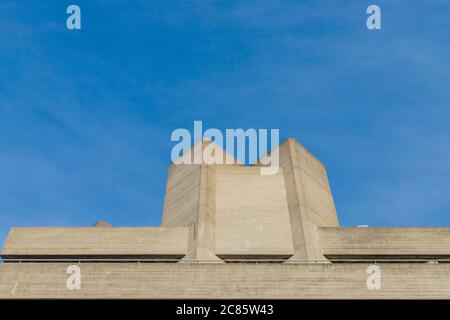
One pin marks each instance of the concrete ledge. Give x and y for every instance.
(337, 242)
(85, 242)
(237, 281)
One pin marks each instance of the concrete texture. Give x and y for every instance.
(235, 280)
(388, 242)
(95, 241)
(309, 198)
(252, 216)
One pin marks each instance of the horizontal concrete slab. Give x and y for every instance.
(234, 280)
(84, 242)
(361, 242)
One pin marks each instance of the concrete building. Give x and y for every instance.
(229, 232)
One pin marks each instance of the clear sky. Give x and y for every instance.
(86, 116)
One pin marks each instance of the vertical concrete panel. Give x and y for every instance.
(252, 214)
(309, 197)
(182, 195)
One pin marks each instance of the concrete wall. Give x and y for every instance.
(251, 213)
(190, 197)
(140, 241)
(363, 242)
(316, 188)
(309, 197)
(162, 280)
(182, 195)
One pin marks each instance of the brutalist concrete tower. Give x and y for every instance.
(229, 232)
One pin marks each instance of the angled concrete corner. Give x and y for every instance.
(309, 198)
(202, 230)
(189, 202)
(190, 198)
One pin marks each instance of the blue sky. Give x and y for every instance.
(86, 116)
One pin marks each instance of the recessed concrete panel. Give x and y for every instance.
(252, 216)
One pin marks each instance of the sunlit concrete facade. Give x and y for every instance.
(229, 232)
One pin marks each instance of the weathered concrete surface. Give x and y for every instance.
(363, 242)
(163, 280)
(190, 197)
(201, 241)
(139, 241)
(309, 197)
(252, 216)
(182, 196)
